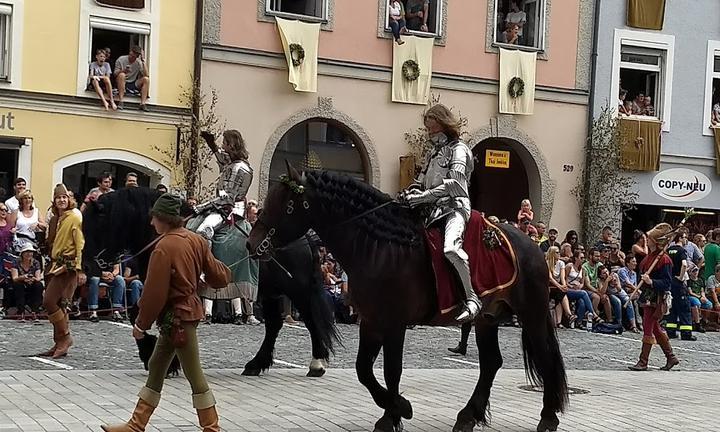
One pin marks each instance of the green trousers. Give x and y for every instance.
(189, 357)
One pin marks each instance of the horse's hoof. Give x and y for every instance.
(315, 373)
(251, 372)
(404, 408)
(548, 425)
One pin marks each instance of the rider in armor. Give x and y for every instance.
(443, 187)
(233, 184)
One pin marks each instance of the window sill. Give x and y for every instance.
(518, 47)
(641, 118)
(494, 47)
(386, 33)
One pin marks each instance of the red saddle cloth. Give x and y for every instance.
(491, 269)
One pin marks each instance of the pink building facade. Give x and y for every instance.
(351, 124)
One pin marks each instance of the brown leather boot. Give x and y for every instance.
(672, 361)
(208, 419)
(138, 421)
(55, 319)
(642, 364)
(64, 341)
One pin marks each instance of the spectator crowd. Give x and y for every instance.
(587, 285)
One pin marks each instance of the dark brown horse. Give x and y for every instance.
(382, 249)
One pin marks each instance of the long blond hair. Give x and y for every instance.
(446, 119)
(552, 258)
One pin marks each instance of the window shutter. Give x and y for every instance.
(128, 4)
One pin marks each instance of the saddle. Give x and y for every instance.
(493, 263)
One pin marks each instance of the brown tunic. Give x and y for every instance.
(176, 264)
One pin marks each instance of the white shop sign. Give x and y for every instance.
(682, 185)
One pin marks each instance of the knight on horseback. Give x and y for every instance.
(443, 187)
(236, 175)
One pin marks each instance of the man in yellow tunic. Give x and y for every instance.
(66, 243)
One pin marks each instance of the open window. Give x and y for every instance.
(711, 115)
(119, 36)
(312, 10)
(416, 21)
(641, 75)
(5, 42)
(520, 23)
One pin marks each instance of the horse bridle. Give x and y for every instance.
(266, 243)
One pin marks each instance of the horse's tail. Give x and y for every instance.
(544, 364)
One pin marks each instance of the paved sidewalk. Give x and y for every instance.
(285, 400)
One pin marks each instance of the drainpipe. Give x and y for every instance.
(591, 102)
(194, 168)
(197, 70)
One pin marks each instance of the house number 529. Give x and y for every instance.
(568, 168)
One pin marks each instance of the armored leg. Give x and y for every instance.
(208, 226)
(454, 230)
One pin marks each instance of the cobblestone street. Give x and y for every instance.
(98, 382)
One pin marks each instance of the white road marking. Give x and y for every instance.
(119, 324)
(675, 347)
(456, 360)
(631, 363)
(52, 363)
(296, 327)
(284, 363)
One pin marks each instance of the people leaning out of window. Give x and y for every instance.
(416, 14)
(131, 74)
(99, 79)
(640, 106)
(511, 35)
(396, 11)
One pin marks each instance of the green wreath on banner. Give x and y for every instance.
(410, 70)
(297, 54)
(516, 87)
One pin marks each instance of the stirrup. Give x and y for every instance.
(469, 312)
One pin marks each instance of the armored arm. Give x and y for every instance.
(455, 183)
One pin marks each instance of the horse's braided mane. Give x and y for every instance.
(342, 197)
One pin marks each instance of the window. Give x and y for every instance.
(126, 4)
(640, 77)
(5, 27)
(319, 144)
(315, 10)
(711, 115)
(520, 23)
(642, 67)
(119, 36)
(413, 22)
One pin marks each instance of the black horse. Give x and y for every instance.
(119, 223)
(381, 246)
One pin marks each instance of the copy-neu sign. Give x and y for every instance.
(497, 159)
(682, 185)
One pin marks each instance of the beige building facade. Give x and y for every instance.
(351, 124)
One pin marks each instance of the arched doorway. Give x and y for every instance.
(320, 143)
(504, 175)
(79, 171)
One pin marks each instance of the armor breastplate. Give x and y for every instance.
(451, 165)
(235, 179)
